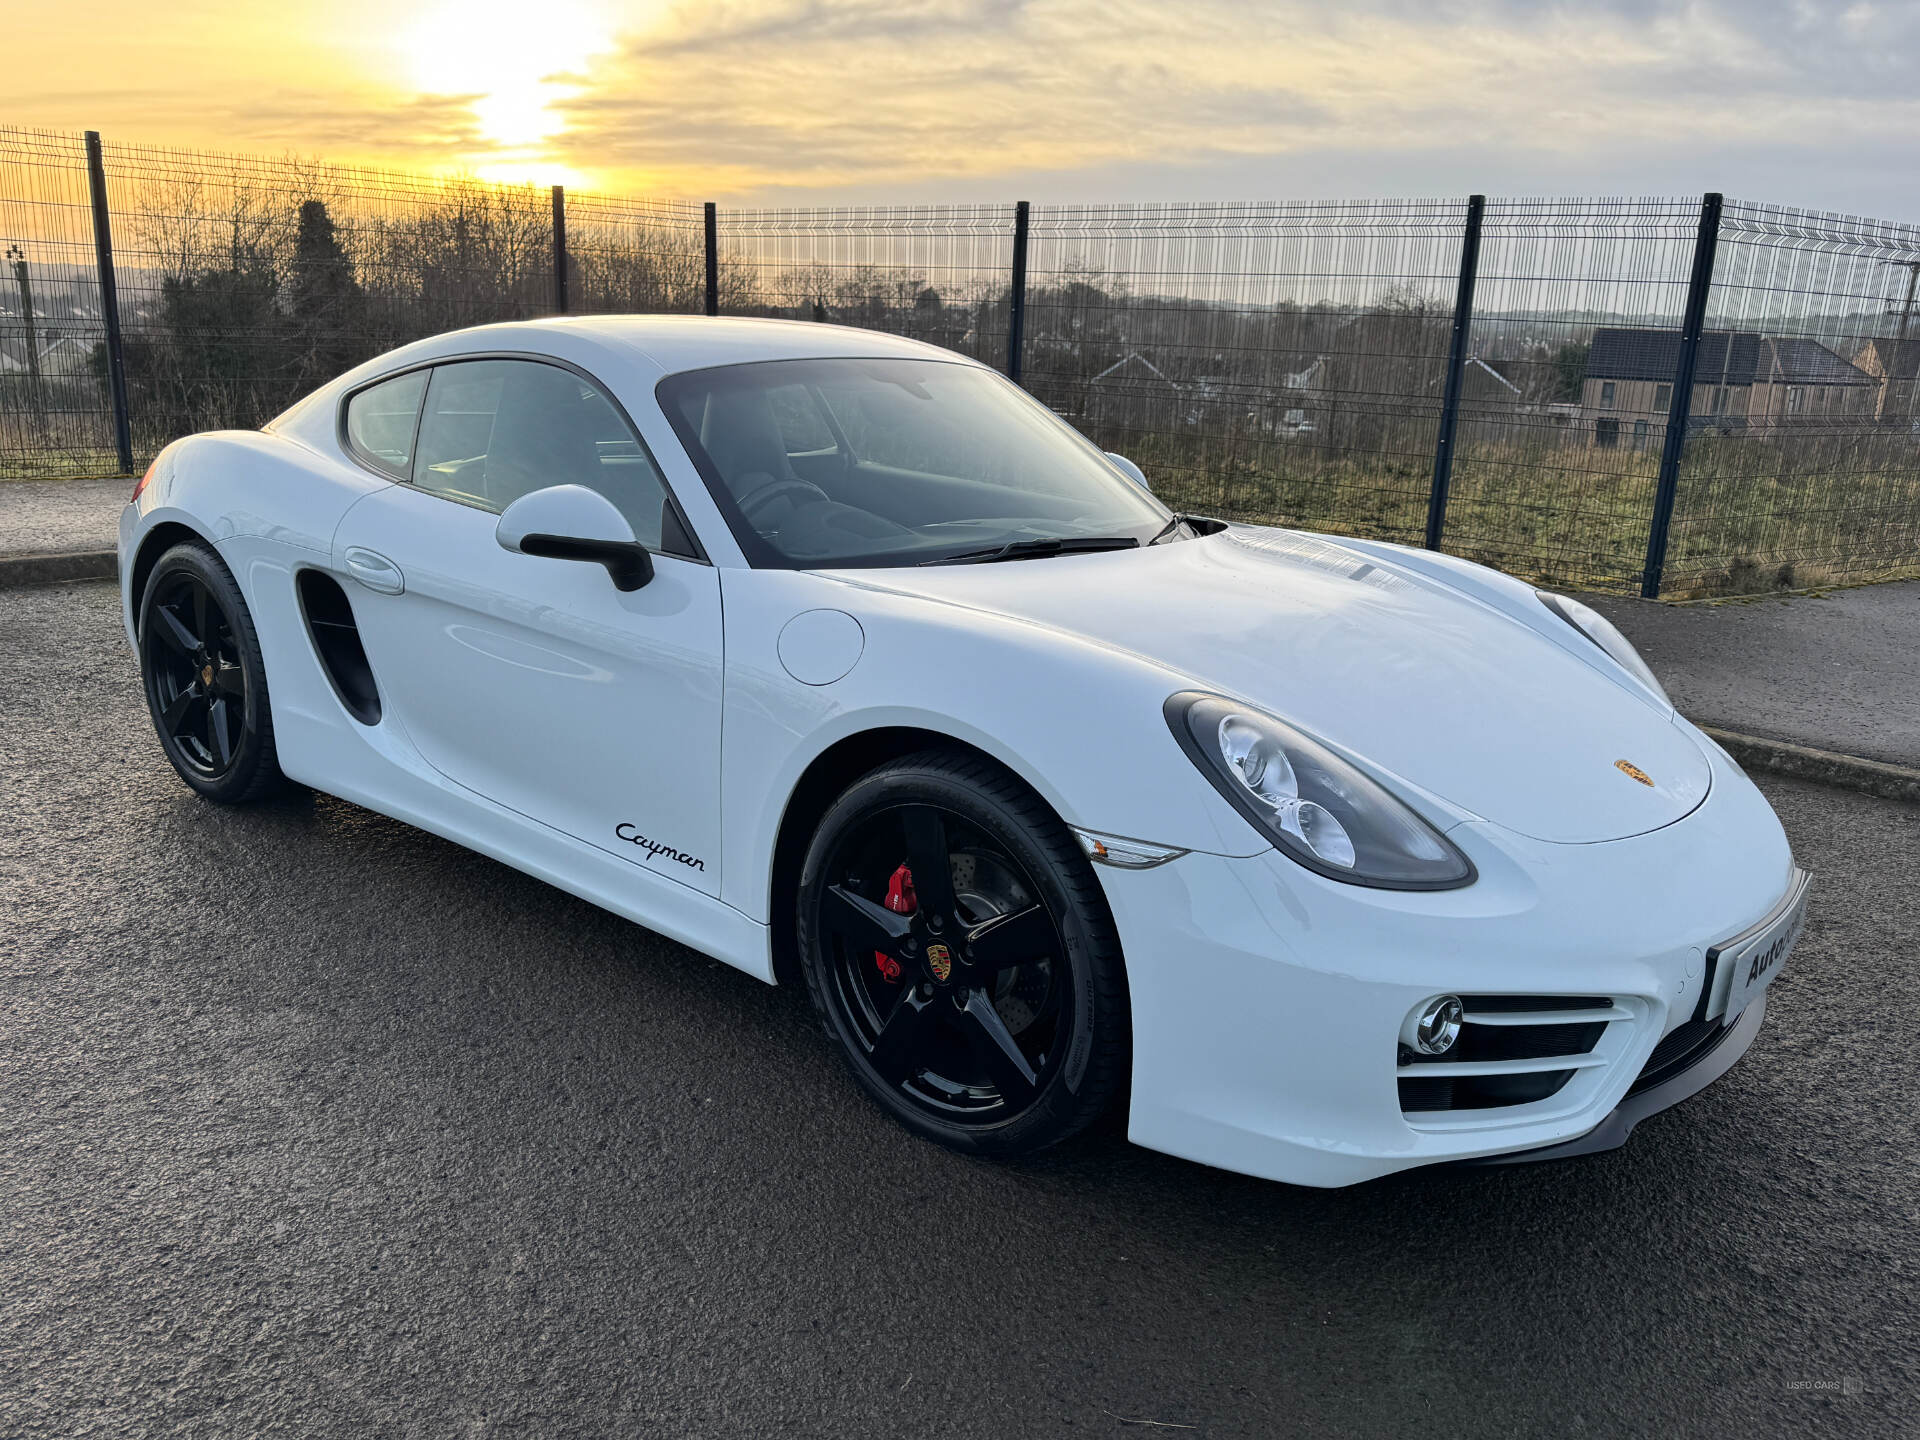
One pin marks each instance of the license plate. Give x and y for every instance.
(1751, 960)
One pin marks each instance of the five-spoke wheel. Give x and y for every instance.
(205, 680)
(961, 953)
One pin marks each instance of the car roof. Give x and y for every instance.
(695, 342)
(620, 349)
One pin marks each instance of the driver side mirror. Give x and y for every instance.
(1132, 471)
(571, 522)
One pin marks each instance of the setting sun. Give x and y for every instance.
(509, 72)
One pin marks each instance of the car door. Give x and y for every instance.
(533, 681)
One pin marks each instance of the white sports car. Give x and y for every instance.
(838, 657)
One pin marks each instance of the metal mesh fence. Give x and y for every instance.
(1285, 363)
(244, 283)
(635, 256)
(54, 414)
(1802, 467)
(1279, 362)
(938, 273)
(1555, 464)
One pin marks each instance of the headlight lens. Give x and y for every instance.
(1309, 802)
(1602, 632)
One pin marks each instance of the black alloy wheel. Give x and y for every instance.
(205, 679)
(961, 953)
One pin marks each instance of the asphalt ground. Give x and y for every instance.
(1837, 671)
(39, 517)
(312, 1124)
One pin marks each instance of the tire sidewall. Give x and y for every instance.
(1059, 1109)
(202, 563)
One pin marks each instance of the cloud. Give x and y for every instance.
(784, 96)
(427, 129)
(860, 101)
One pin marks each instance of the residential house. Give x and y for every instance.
(58, 356)
(1742, 382)
(1132, 393)
(1894, 366)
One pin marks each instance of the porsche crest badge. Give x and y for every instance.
(940, 961)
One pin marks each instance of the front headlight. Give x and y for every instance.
(1602, 632)
(1309, 802)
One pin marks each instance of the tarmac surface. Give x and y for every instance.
(1838, 671)
(314, 1124)
(49, 517)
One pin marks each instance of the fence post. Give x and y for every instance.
(1017, 294)
(1456, 370)
(109, 303)
(560, 249)
(1699, 284)
(713, 260)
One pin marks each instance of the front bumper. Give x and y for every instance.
(1268, 1001)
(1713, 1061)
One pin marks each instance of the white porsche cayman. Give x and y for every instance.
(836, 656)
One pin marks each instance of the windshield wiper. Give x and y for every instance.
(1038, 549)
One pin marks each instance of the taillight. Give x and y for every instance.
(140, 487)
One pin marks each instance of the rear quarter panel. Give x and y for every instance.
(268, 506)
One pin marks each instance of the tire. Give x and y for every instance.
(205, 680)
(1004, 1027)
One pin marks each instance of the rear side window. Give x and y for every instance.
(380, 422)
(496, 429)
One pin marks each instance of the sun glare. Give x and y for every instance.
(510, 59)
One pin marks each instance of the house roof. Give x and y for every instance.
(1895, 359)
(1480, 379)
(1726, 357)
(1621, 354)
(60, 354)
(1502, 379)
(1808, 362)
(1134, 359)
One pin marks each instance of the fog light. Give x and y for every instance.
(1439, 1025)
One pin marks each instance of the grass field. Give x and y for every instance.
(1751, 515)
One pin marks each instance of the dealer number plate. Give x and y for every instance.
(1751, 961)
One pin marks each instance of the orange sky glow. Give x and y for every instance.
(813, 101)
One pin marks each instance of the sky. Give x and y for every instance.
(916, 101)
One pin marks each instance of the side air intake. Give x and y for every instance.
(336, 640)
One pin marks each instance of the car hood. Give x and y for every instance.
(1403, 672)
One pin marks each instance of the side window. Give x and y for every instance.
(380, 422)
(495, 430)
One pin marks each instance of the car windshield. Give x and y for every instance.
(844, 462)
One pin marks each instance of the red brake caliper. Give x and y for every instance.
(902, 901)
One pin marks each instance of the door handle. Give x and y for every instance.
(375, 571)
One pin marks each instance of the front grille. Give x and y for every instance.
(1506, 1052)
(1479, 1092)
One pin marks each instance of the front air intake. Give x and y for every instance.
(1512, 1050)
